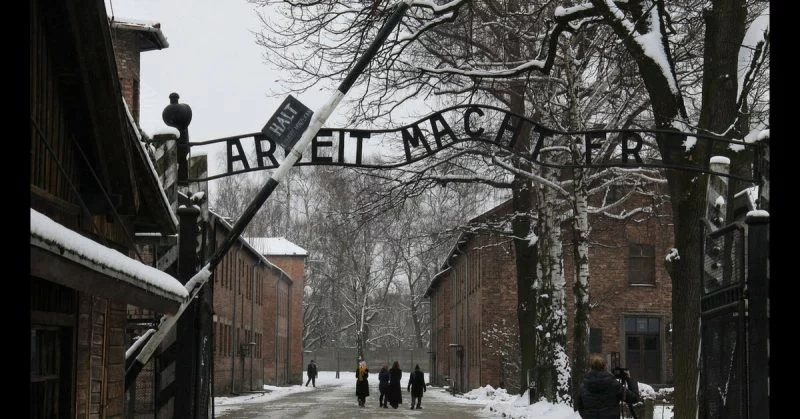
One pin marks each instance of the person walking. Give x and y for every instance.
(416, 385)
(601, 392)
(383, 386)
(395, 392)
(311, 371)
(362, 384)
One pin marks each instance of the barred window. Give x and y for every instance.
(641, 264)
(595, 340)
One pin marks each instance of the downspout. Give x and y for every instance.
(277, 323)
(212, 233)
(253, 319)
(235, 334)
(289, 332)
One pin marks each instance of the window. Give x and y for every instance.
(615, 193)
(595, 340)
(641, 264)
(643, 348)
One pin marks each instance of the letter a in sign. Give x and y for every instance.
(288, 123)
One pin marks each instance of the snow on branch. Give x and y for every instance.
(532, 176)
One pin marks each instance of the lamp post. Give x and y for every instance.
(187, 365)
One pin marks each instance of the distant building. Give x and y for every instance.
(258, 303)
(473, 302)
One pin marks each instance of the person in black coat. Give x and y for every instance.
(601, 392)
(311, 371)
(383, 386)
(395, 392)
(362, 384)
(416, 385)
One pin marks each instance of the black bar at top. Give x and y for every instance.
(364, 60)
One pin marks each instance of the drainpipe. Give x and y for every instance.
(253, 319)
(289, 334)
(277, 324)
(235, 339)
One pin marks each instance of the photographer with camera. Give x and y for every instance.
(601, 392)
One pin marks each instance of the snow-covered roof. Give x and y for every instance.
(156, 38)
(153, 172)
(224, 221)
(275, 246)
(50, 236)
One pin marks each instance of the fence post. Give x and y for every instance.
(758, 316)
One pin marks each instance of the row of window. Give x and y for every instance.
(227, 273)
(224, 341)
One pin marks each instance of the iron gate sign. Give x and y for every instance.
(286, 126)
(462, 124)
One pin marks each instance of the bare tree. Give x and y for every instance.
(452, 49)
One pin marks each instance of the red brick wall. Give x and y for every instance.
(500, 328)
(440, 326)
(100, 367)
(294, 266)
(239, 320)
(274, 313)
(276, 317)
(126, 50)
(610, 294)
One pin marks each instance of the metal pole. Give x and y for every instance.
(317, 120)
(758, 362)
(186, 361)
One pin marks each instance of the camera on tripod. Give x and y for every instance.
(620, 373)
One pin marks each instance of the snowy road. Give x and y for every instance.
(333, 399)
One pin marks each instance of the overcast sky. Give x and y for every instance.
(212, 62)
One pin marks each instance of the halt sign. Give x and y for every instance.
(288, 123)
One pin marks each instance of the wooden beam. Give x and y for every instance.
(58, 269)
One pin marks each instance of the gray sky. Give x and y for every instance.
(212, 62)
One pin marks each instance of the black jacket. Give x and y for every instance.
(312, 370)
(362, 385)
(395, 392)
(416, 383)
(601, 393)
(383, 380)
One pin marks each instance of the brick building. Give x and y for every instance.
(258, 303)
(291, 260)
(474, 298)
(92, 189)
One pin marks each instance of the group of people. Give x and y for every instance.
(389, 386)
(598, 397)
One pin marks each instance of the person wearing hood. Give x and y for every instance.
(601, 393)
(416, 385)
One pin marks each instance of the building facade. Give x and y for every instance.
(257, 328)
(92, 189)
(473, 302)
(257, 295)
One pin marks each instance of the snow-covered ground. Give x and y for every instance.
(497, 402)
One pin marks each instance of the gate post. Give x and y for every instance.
(758, 313)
